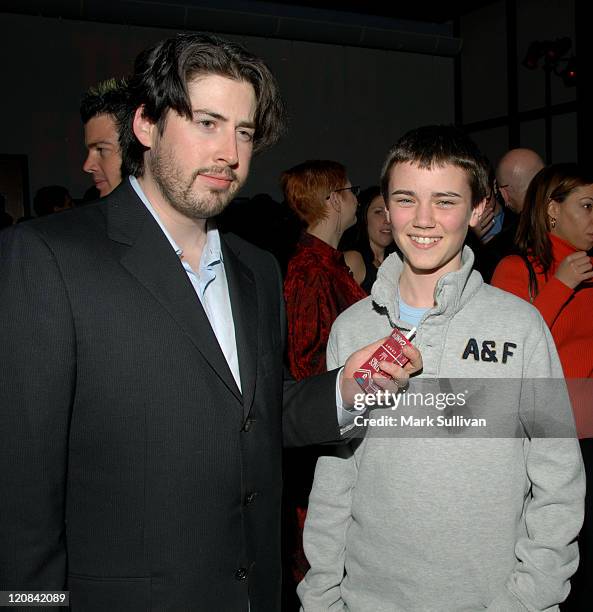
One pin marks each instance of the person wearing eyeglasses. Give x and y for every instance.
(317, 288)
(318, 284)
(493, 238)
(514, 172)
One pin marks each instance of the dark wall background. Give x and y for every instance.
(347, 101)
(488, 80)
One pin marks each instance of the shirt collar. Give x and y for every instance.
(212, 253)
(452, 291)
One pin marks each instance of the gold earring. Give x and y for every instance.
(552, 222)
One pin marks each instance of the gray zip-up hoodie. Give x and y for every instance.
(404, 524)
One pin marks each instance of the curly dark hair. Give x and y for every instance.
(161, 76)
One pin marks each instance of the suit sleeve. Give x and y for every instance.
(511, 275)
(37, 378)
(547, 553)
(310, 413)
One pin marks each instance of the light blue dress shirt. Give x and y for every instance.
(209, 283)
(211, 287)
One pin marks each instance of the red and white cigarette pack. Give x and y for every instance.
(390, 350)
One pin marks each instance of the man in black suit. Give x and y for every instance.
(143, 406)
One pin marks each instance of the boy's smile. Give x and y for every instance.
(430, 210)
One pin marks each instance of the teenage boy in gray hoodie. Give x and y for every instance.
(441, 520)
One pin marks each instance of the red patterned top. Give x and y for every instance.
(317, 288)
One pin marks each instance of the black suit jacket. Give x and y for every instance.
(133, 471)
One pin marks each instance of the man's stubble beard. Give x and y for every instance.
(177, 189)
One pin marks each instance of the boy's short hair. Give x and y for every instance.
(163, 73)
(439, 145)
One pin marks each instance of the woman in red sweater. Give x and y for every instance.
(554, 272)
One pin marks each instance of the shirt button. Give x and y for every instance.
(241, 574)
(250, 498)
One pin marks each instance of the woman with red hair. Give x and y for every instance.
(317, 288)
(318, 284)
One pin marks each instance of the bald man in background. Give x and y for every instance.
(514, 172)
(494, 236)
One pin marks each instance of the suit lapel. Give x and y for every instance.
(243, 296)
(152, 261)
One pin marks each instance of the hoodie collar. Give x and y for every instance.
(452, 291)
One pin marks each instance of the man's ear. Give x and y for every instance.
(143, 127)
(477, 212)
(387, 215)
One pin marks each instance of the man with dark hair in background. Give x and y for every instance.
(144, 473)
(103, 111)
